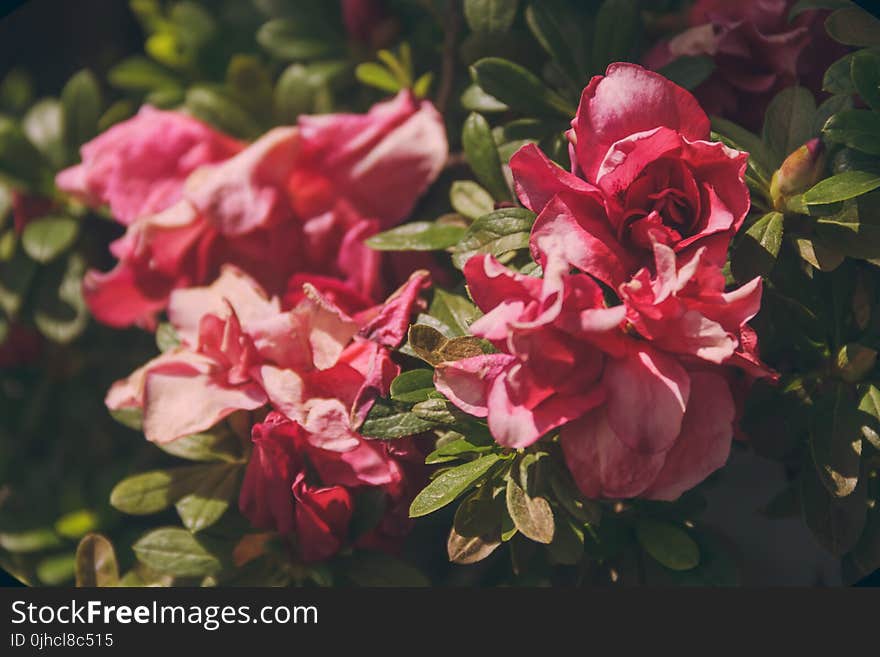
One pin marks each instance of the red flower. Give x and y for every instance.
(643, 173)
(757, 51)
(300, 200)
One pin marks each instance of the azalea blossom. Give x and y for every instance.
(643, 172)
(300, 200)
(757, 52)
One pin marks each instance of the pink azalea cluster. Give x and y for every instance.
(298, 202)
(757, 52)
(319, 369)
(630, 343)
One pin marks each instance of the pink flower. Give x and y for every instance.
(684, 309)
(299, 201)
(238, 350)
(643, 407)
(642, 173)
(293, 486)
(138, 167)
(757, 52)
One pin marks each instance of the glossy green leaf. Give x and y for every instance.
(44, 126)
(841, 187)
(60, 311)
(290, 39)
(482, 155)
(33, 540)
(376, 75)
(388, 420)
(858, 129)
(175, 551)
(866, 77)
(475, 99)
(141, 74)
(450, 484)
(519, 89)
(412, 386)
(498, 232)
(788, 123)
(836, 522)
(221, 112)
(209, 500)
(217, 445)
(77, 524)
(418, 236)
(469, 199)
(454, 310)
(544, 24)
(758, 248)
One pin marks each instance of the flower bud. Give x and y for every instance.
(855, 361)
(799, 172)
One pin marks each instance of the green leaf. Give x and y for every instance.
(455, 449)
(615, 35)
(490, 16)
(96, 564)
(788, 122)
(388, 419)
(866, 77)
(21, 164)
(418, 236)
(566, 493)
(761, 160)
(450, 484)
(44, 126)
(567, 547)
(116, 113)
(543, 23)
(56, 570)
(836, 522)
(76, 523)
(532, 516)
(854, 26)
(81, 99)
(413, 386)
(175, 551)
(498, 232)
(841, 187)
(154, 491)
(48, 237)
(139, 73)
(835, 440)
(858, 129)
(219, 445)
(133, 418)
(60, 311)
(849, 234)
(519, 89)
(221, 112)
(33, 540)
(166, 337)
(757, 250)
(210, 498)
(689, 71)
(376, 569)
(475, 99)
(482, 155)
(469, 199)
(289, 39)
(376, 75)
(667, 544)
(820, 255)
(838, 76)
(454, 310)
